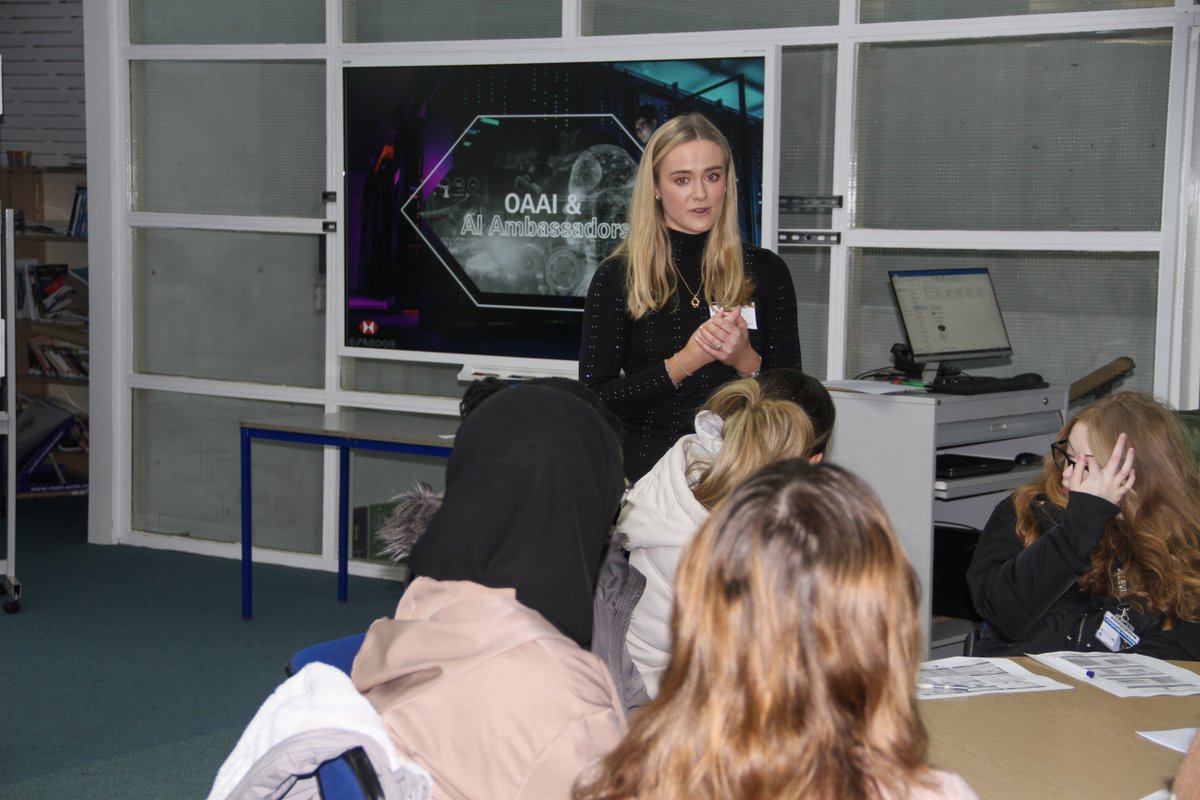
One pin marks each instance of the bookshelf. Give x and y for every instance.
(51, 332)
(45, 198)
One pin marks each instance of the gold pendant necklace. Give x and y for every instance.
(696, 294)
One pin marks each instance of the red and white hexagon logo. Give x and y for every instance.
(368, 327)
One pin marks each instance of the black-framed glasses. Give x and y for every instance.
(1062, 459)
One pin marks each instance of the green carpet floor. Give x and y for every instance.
(129, 672)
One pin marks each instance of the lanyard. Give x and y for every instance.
(1122, 589)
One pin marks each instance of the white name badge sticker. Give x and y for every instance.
(747, 314)
(1116, 633)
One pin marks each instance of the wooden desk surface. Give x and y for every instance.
(381, 426)
(1077, 743)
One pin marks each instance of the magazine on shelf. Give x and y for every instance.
(50, 293)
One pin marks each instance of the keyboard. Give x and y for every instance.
(962, 384)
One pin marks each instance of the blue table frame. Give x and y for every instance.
(346, 430)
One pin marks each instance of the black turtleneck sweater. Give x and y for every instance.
(622, 358)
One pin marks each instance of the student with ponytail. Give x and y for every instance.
(746, 424)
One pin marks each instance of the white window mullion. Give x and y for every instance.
(842, 218)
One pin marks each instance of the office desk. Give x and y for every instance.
(353, 429)
(1077, 743)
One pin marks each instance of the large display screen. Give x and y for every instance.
(481, 198)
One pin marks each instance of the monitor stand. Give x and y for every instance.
(928, 372)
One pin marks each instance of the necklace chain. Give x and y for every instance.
(696, 294)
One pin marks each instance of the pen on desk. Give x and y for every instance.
(943, 687)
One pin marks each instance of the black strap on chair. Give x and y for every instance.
(969, 642)
(334, 782)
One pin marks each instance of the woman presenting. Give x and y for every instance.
(683, 305)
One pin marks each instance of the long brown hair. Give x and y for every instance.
(1157, 534)
(650, 280)
(796, 643)
(758, 429)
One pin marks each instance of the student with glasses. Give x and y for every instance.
(1102, 551)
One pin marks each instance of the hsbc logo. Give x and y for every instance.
(368, 327)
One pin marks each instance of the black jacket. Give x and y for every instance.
(621, 359)
(1030, 598)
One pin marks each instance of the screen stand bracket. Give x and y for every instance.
(902, 360)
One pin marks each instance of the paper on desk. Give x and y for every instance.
(867, 387)
(964, 676)
(1161, 794)
(1124, 674)
(1178, 739)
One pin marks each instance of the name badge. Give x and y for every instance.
(747, 314)
(1116, 633)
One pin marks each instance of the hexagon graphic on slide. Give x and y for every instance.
(522, 208)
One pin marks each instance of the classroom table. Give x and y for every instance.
(353, 429)
(1075, 743)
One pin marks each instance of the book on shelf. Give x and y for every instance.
(79, 226)
(57, 358)
(76, 206)
(44, 292)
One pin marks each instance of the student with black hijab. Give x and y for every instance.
(482, 676)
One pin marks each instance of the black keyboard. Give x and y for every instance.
(962, 384)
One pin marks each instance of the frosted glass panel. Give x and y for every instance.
(442, 20)
(229, 306)
(226, 21)
(898, 10)
(806, 133)
(1066, 313)
(187, 478)
(809, 268)
(1045, 133)
(610, 17)
(399, 377)
(228, 137)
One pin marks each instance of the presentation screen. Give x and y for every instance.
(481, 198)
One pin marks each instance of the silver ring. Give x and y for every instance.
(717, 345)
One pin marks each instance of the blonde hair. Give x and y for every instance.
(795, 647)
(757, 430)
(650, 281)
(1157, 535)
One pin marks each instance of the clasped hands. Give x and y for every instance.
(1111, 482)
(722, 337)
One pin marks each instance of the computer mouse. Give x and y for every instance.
(1027, 459)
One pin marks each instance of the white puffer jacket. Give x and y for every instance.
(659, 518)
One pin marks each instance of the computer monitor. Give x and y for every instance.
(950, 314)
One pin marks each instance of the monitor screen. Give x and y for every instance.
(950, 314)
(482, 197)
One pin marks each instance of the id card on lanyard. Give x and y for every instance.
(1116, 632)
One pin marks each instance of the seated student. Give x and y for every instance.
(1102, 551)
(415, 507)
(797, 642)
(744, 425)
(483, 677)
